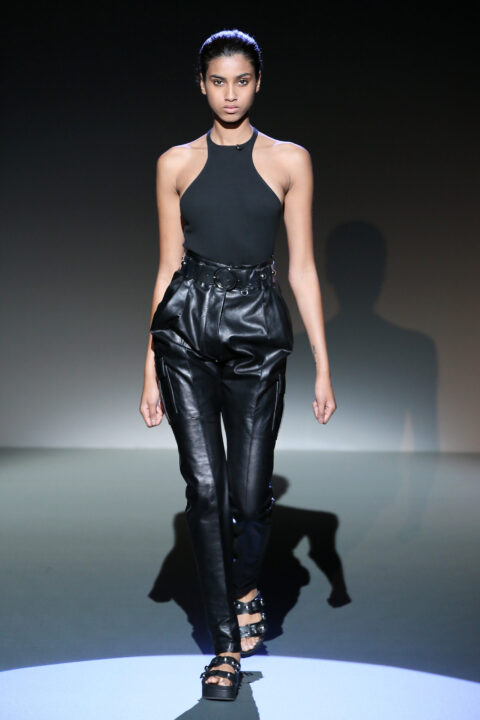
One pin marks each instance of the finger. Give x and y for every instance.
(319, 411)
(144, 412)
(329, 412)
(325, 412)
(153, 415)
(148, 416)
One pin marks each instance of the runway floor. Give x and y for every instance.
(371, 586)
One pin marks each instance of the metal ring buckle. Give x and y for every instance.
(224, 278)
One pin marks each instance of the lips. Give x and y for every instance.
(230, 107)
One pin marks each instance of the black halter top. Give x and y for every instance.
(231, 214)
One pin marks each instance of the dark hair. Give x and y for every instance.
(228, 42)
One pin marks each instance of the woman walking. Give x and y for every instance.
(221, 333)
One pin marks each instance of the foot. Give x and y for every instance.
(224, 666)
(245, 618)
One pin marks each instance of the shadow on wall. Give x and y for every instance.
(384, 376)
(282, 575)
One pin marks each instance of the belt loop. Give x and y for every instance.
(273, 266)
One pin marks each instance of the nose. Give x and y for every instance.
(230, 94)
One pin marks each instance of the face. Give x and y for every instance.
(230, 86)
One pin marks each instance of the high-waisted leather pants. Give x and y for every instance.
(221, 337)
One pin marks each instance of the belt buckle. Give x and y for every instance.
(224, 278)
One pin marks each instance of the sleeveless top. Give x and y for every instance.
(231, 214)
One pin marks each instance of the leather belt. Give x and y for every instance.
(226, 277)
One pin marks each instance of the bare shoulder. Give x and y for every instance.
(179, 154)
(290, 153)
(173, 162)
(285, 147)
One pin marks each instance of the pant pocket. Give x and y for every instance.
(279, 321)
(278, 404)
(172, 304)
(166, 389)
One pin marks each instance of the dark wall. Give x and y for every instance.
(385, 99)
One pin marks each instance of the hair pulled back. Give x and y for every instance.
(226, 43)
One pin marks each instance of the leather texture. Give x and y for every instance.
(222, 353)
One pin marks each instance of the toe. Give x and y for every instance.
(218, 679)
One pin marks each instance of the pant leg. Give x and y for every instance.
(252, 408)
(190, 388)
(257, 338)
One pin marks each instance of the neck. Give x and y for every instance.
(231, 133)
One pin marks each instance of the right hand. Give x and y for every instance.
(151, 407)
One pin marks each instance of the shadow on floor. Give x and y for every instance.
(282, 575)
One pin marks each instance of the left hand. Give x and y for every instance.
(324, 404)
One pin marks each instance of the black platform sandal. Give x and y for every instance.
(214, 691)
(252, 629)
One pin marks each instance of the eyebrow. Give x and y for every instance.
(222, 78)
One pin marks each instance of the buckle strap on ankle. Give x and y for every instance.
(253, 629)
(250, 607)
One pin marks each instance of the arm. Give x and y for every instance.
(302, 273)
(171, 252)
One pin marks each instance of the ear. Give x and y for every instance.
(257, 87)
(202, 85)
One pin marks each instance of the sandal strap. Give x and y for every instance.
(253, 629)
(223, 673)
(250, 607)
(221, 659)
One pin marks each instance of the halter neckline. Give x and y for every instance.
(237, 145)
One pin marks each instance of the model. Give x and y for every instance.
(221, 333)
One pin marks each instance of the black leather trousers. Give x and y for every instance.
(221, 337)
